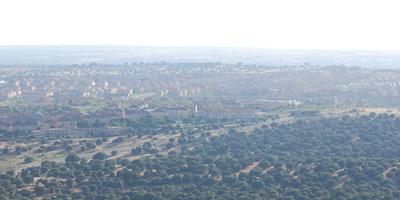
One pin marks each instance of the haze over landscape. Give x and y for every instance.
(199, 100)
(68, 55)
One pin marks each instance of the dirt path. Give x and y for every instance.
(268, 169)
(248, 169)
(343, 180)
(336, 173)
(388, 170)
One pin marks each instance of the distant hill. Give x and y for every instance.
(65, 55)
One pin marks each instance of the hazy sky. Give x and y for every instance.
(311, 24)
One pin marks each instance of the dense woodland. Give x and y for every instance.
(332, 158)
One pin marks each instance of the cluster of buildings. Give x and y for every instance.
(76, 86)
(66, 119)
(51, 117)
